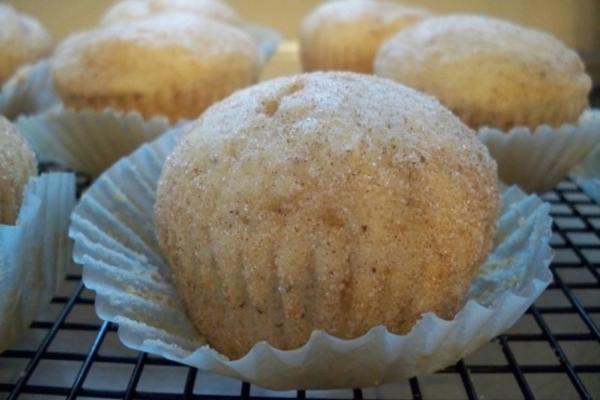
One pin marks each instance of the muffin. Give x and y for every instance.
(174, 65)
(489, 72)
(346, 34)
(17, 165)
(331, 201)
(133, 10)
(22, 40)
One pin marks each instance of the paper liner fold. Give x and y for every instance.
(115, 243)
(30, 91)
(267, 39)
(538, 160)
(88, 141)
(34, 253)
(587, 175)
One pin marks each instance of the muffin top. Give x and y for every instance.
(17, 164)
(163, 55)
(329, 201)
(22, 40)
(132, 10)
(489, 71)
(355, 26)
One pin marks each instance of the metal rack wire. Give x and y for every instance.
(71, 354)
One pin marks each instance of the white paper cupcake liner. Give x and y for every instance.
(34, 253)
(115, 243)
(88, 141)
(30, 91)
(538, 160)
(267, 39)
(587, 175)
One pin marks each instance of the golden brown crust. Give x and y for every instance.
(488, 71)
(346, 34)
(174, 65)
(22, 40)
(331, 201)
(17, 165)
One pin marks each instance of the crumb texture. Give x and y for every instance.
(488, 71)
(332, 201)
(346, 34)
(22, 40)
(132, 10)
(173, 64)
(17, 165)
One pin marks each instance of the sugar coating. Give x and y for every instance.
(346, 34)
(488, 71)
(17, 164)
(332, 201)
(172, 64)
(133, 10)
(22, 40)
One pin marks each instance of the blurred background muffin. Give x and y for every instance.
(575, 22)
(23, 40)
(17, 165)
(346, 34)
(132, 10)
(488, 71)
(171, 64)
(346, 195)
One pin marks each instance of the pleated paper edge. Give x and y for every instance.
(88, 141)
(29, 91)
(43, 219)
(267, 39)
(544, 156)
(247, 367)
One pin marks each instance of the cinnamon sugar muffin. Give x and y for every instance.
(17, 165)
(172, 64)
(488, 71)
(133, 10)
(22, 40)
(332, 201)
(346, 34)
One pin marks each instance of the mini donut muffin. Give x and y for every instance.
(133, 10)
(332, 201)
(17, 165)
(22, 40)
(488, 71)
(172, 64)
(346, 34)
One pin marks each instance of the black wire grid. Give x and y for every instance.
(61, 356)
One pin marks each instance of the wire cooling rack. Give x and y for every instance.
(553, 352)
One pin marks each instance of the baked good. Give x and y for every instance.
(172, 64)
(17, 165)
(488, 71)
(126, 11)
(346, 34)
(22, 40)
(333, 201)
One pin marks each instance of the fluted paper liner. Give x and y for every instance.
(34, 253)
(30, 91)
(538, 160)
(267, 39)
(115, 243)
(587, 175)
(88, 141)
